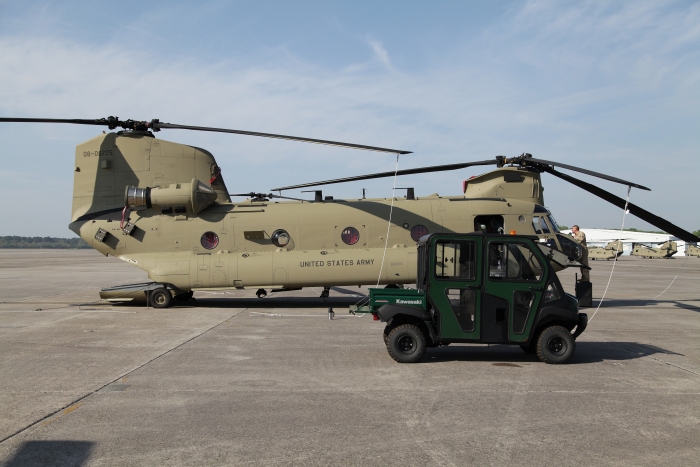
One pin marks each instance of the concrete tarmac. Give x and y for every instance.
(230, 379)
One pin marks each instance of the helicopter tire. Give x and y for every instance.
(161, 298)
(406, 343)
(555, 345)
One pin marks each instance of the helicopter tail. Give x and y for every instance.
(108, 164)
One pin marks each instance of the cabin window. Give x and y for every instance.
(418, 231)
(463, 303)
(210, 240)
(280, 238)
(455, 260)
(552, 293)
(522, 304)
(350, 235)
(513, 262)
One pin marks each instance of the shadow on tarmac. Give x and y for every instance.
(610, 303)
(341, 303)
(586, 352)
(43, 453)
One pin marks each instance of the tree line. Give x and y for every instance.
(15, 241)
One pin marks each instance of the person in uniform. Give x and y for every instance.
(581, 238)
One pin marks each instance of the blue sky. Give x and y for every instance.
(609, 86)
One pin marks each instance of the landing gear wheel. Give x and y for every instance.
(161, 298)
(325, 293)
(556, 345)
(406, 343)
(261, 293)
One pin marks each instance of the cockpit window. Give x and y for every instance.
(543, 226)
(536, 224)
(553, 223)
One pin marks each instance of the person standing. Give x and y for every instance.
(581, 238)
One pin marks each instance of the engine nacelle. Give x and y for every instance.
(195, 195)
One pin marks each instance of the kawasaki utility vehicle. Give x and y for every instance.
(481, 288)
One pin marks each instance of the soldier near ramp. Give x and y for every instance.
(581, 238)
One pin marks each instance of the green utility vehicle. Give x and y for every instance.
(481, 288)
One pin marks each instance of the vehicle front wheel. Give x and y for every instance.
(406, 343)
(556, 345)
(161, 298)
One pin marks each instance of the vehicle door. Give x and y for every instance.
(513, 286)
(454, 286)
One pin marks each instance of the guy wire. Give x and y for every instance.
(619, 241)
(388, 228)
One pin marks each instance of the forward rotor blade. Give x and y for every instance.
(158, 126)
(434, 168)
(587, 172)
(643, 214)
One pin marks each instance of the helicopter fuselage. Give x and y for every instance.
(263, 243)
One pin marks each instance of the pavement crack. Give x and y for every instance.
(85, 396)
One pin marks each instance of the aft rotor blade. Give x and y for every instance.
(586, 171)
(158, 126)
(643, 214)
(434, 168)
(76, 121)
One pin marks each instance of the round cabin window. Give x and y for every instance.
(418, 231)
(280, 238)
(350, 235)
(210, 240)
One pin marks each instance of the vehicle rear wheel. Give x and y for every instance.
(406, 343)
(556, 345)
(161, 298)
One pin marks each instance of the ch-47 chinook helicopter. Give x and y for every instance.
(664, 250)
(692, 250)
(164, 207)
(611, 251)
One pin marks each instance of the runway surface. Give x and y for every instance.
(230, 379)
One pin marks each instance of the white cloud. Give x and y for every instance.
(380, 53)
